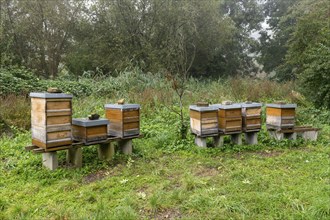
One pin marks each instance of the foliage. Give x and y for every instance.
(112, 35)
(18, 81)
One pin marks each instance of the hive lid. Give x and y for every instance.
(50, 95)
(202, 108)
(85, 122)
(251, 104)
(282, 105)
(124, 106)
(232, 106)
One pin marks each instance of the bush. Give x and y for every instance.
(18, 81)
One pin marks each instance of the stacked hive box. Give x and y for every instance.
(51, 119)
(89, 130)
(124, 119)
(203, 120)
(230, 118)
(251, 116)
(280, 115)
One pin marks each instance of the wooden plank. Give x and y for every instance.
(61, 112)
(114, 114)
(60, 127)
(96, 130)
(195, 114)
(287, 112)
(58, 135)
(273, 111)
(253, 111)
(55, 120)
(38, 105)
(195, 125)
(58, 105)
(233, 113)
(131, 119)
(39, 133)
(207, 126)
(131, 125)
(131, 113)
(212, 114)
(228, 113)
(78, 132)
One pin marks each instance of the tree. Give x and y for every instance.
(41, 32)
(308, 54)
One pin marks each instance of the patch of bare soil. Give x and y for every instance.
(101, 174)
(203, 171)
(159, 214)
(269, 153)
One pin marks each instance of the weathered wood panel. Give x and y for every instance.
(58, 120)
(58, 135)
(280, 117)
(195, 114)
(51, 122)
(56, 105)
(123, 122)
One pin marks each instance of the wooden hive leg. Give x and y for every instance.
(125, 146)
(310, 135)
(74, 157)
(290, 136)
(218, 141)
(276, 135)
(106, 151)
(251, 138)
(200, 141)
(236, 138)
(49, 160)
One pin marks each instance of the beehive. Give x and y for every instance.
(203, 120)
(124, 119)
(89, 130)
(251, 116)
(229, 117)
(280, 115)
(51, 119)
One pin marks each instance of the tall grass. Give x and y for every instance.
(152, 91)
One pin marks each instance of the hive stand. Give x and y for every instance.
(307, 132)
(106, 151)
(50, 160)
(218, 139)
(251, 137)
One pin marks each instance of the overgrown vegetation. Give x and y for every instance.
(166, 55)
(167, 177)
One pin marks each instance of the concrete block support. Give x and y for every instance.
(200, 141)
(74, 157)
(251, 138)
(276, 135)
(310, 135)
(236, 138)
(125, 146)
(106, 151)
(50, 160)
(218, 141)
(290, 136)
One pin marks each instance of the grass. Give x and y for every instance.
(269, 183)
(169, 178)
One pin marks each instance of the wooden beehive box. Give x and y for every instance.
(251, 116)
(51, 119)
(280, 115)
(89, 130)
(230, 118)
(203, 120)
(124, 119)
